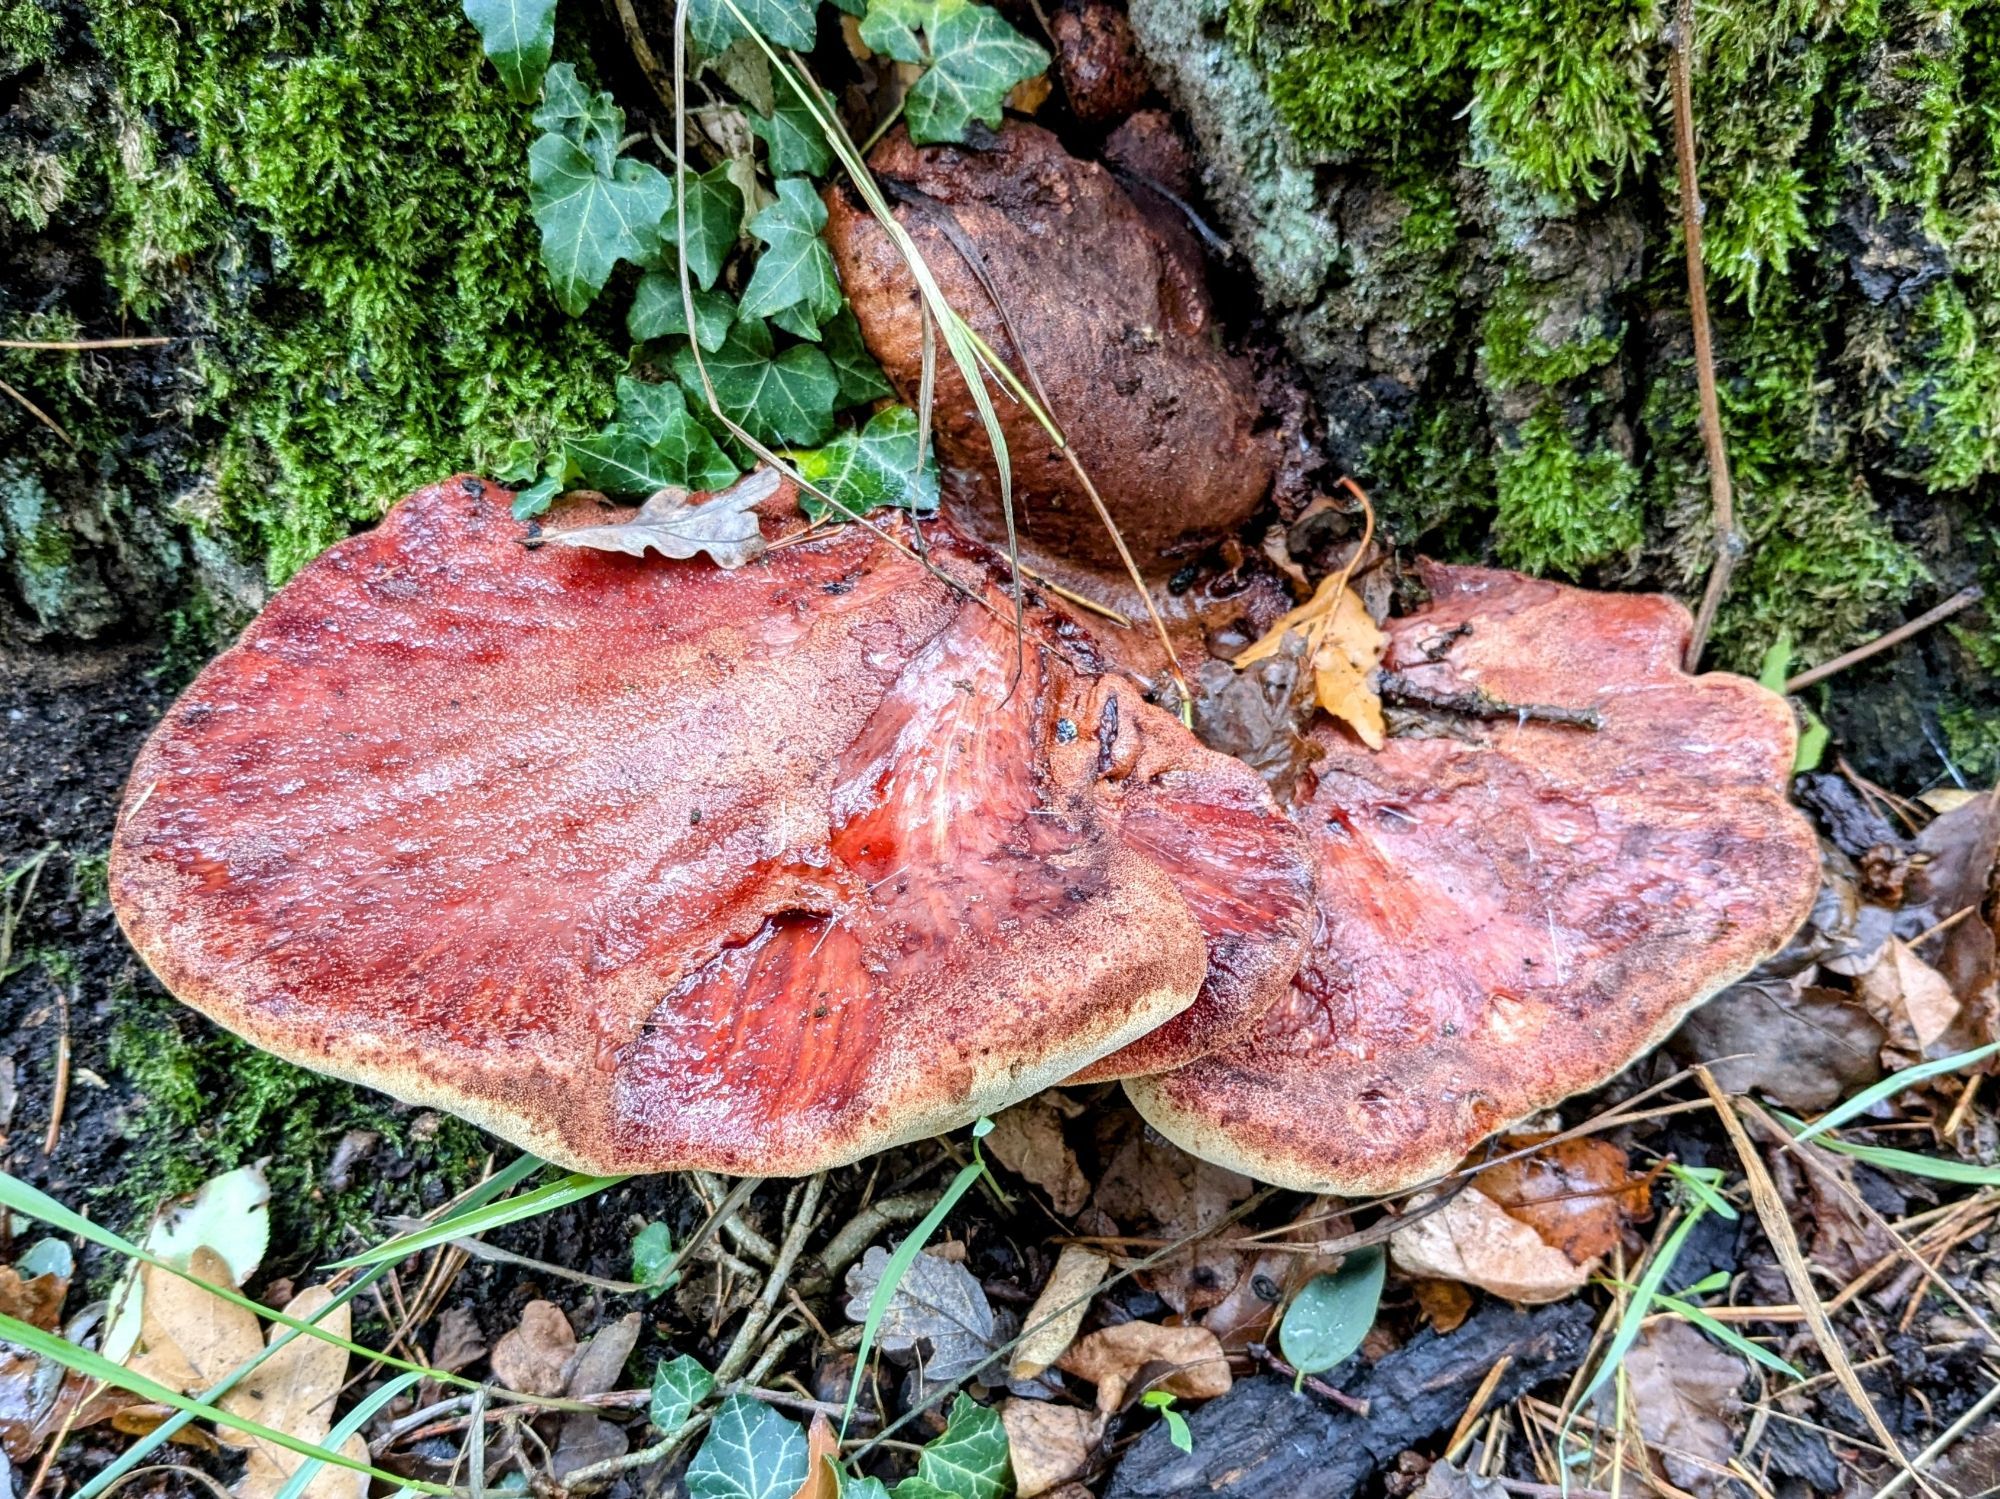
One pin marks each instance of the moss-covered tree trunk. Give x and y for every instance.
(1464, 215)
(1460, 213)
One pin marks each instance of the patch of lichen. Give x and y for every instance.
(335, 193)
(206, 1103)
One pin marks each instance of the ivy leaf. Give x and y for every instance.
(861, 378)
(655, 444)
(679, 1385)
(798, 321)
(969, 1461)
(724, 525)
(537, 497)
(517, 36)
(657, 311)
(652, 1252)
(787, 398)
(868, 469)
(590, 218)
(795, 140)
(783, 23)
(1332, 1314)
(751, 1452)
(592, 120)
(796, 268)
(714, 220)
(974, 58)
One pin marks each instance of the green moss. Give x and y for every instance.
(1561, 509)
(208, 1103)
(1972, 735)
(90, 877)
(344, 208)
(27, 34)
(1351, 76)
(1942, 409)
(1531, 341)
(1433, 471)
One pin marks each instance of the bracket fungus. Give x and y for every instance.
(1512, 912)
(649, 866)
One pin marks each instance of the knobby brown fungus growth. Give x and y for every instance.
(1509, 911)
(651, 865)
(1112, 313)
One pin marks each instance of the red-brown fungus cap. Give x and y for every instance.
(647, 865)
(1512, 916)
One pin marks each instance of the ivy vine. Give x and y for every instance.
(777, 340)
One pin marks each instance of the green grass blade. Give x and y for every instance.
(544, 1199)
(893, 1273)
(1936, 1168)
(1722, 1332)
(504, 1180)
(93, 1365)
(1642, 1298)
(29, 1201)
(349, 1424)
(1893, 1084)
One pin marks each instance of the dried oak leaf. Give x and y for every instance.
(1475, 1240)
(1064, 1299)
(724, 526)
(1344, 647)
(1684, 1389)
(294, 1392)
(190, 1337)
(1152, 1182)
(1577, 1194)
(1048, 1444)
(1028, 1141)
(533, 1358)
(937, 1304)
(1910, 1000)
(1184, 1361)
(1803, 1047)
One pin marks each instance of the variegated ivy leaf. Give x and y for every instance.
(659, 311)
(972, 57)
(517, 36)
(751, 1452)
(878, 465)
(783, 23)
(796, 268)
(970, 1459)
(594, 207)
(777, 398)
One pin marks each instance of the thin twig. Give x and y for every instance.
(37, 413)
(79, 345)
(1728, 544)
(1963, 599)
(61, 1099)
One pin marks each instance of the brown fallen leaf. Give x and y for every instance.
(1444, 1303)
(190, 1337)
(1151, 1183)
(1804, 1046)
(822, 1480)
(1577, 1194)
(1078, 1272)
(1909, 999)
(1684, 1389)
(1475, 1240)
(533, 1358)
(1028, 1140)
(599, 1364)
(294, 1392)
(459, 1342)
(1343, 647)
(1190, 1361)
(1047, 1444)
(724, 525)
(36, 1300)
